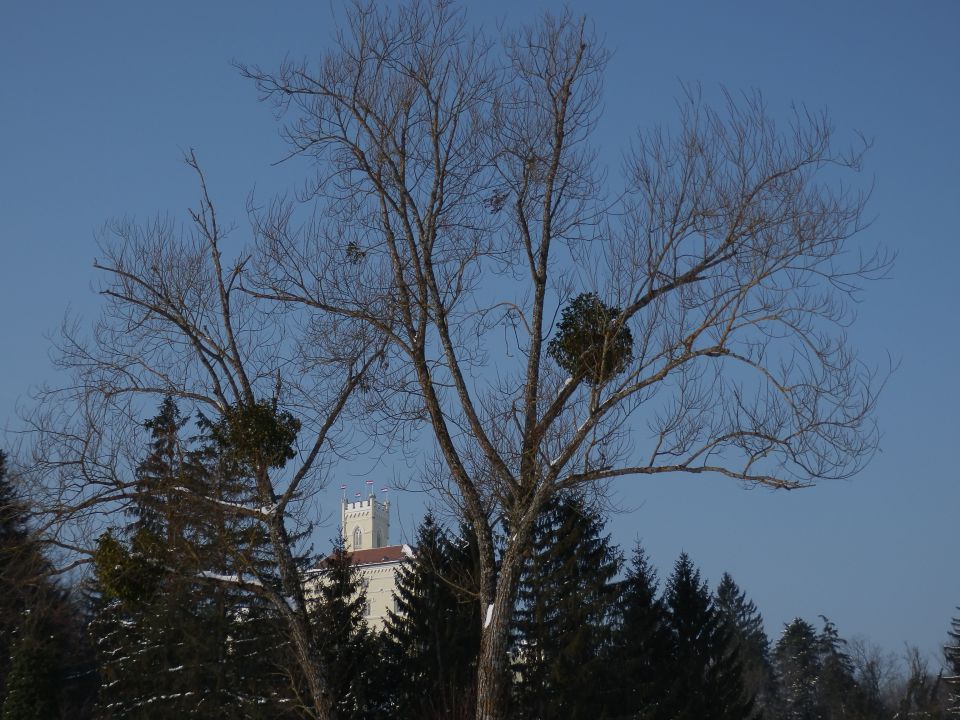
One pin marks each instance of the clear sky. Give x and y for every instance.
(98, 100)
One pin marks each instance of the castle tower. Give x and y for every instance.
(365, 523)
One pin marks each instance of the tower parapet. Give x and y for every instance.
(365, 523)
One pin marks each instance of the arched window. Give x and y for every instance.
(357, 538)
(379, 539)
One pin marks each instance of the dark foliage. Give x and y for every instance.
(432, 638)
(815, 676)
(45, 664)
(637, 665)
(591, 341)
(797, 663)
(37, 672)
(169, 641)
(21, 567)
(951, 653)
(748, 641)
(565, 609)
(346, 645)
(707, 680)
(257, 435)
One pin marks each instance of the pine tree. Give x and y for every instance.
(707, 676)
(432, 639)
(565, 606)
(641, 648)
(346, 645)
(748, 640)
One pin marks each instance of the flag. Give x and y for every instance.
(384, 489)
(369, 482)
(343, 487)
(357, 494)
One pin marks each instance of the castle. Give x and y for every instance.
(366, 534)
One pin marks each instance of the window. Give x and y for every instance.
(357, 538)
(379, 539)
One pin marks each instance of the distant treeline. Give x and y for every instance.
(163, 629)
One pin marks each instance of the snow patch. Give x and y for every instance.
(264, 510)
(229, 578)
(486, 623)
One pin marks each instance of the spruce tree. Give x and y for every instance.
(43, 659)
(37, 672)
(155, 637)
(19, 562)
(167, 640)
(840, 695)
(707, 675)
(815, 675)
(431, 640)
(346, 644)
(748, 640)
(253, 672)
(797, 664)
(565, 605)
(951, 653)
(637, 665)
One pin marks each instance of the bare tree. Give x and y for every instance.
(176, 323)
(458, 206)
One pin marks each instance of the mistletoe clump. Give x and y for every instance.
(132, 574)
(591, 342)
(257, 435)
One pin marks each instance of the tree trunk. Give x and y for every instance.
(492, 666)
(298, 620)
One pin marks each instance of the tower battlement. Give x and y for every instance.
(365, 523)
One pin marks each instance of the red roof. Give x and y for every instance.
(372, 556)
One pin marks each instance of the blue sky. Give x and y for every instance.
(98, 101)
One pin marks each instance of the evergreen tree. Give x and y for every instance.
(254, 673)
(432, 639)
(952, 655)
(797, 665)
(37, 673)
(816, 676)
(707, 675)
(748, 640)
(167, 640)
(346, 644)
(637, 664)
(565, 606)
(42, 654)
(149, 634)
(840, 695)
(22, 568)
